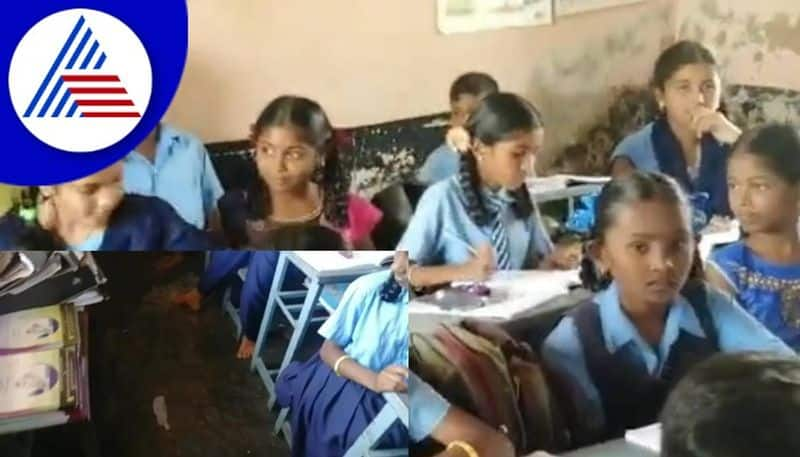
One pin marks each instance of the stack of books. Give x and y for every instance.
(44, 369)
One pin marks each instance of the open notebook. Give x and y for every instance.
(511, 293)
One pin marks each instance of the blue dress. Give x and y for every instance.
(770, 292)
(139, 223)
(656, 148)
(329, 412)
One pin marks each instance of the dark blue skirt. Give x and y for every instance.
(328, 412)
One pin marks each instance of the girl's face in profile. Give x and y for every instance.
(41, 328)
(91, 199)
(37, 380)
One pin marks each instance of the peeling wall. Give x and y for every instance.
(378, 61)
(757, 42)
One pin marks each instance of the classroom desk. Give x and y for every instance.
(319, 276)
(616, 448)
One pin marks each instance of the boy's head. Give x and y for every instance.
(735, 405)
(465, 93)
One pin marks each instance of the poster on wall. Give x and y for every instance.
(462, 16)
(565, 7)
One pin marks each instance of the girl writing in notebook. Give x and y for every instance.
(763, 270)
(691, 137)
(618, 354)
(483, 218)
(93, 213)
(301, 180)
(337, 393)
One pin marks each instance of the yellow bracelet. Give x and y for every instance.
(339, 362)
(464, 446)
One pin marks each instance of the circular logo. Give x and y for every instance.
(80, 80)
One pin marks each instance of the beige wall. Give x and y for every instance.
(757, 41)
(372, 61)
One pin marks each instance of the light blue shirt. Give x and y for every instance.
(427, 408)
(441, 232)
(440, 164)
(563, 352)
(371, 331)
(91, 243)
(639, 149)
(181, 174)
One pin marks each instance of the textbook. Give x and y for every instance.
(49, 327)
(38, 381)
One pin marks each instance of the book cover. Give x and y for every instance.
(48, 327)
(40, 381)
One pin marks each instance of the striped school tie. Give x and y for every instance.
(496, 205)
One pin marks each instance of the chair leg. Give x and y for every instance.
(269, 311)
(300, 328)
(282, 416)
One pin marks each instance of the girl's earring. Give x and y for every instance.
(318, 174)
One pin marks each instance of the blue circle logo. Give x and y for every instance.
(87, 85)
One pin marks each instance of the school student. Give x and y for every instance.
(763, 270)
(93, 213)
(334, 396)
(175, 166)
(300, 180)
(465, 94)
(617, 355)
(461, 434)
(742, 405)
(486, 207)
(691, 137)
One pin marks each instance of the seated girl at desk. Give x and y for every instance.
(483, 217)
(92, 214)
(763, 270)
(617, 355)
(691, 137)
(301, 181)
(337, 393)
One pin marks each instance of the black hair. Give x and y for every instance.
(304, 237)
(498, 116)
(682, 53)
(473, 83)
(636, 187)
(778, 146)
(311, 121)
(735, 405)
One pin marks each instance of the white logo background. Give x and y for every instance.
(126, 57)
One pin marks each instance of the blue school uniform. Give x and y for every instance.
(256, 288)
(441, 231)
(181, 174)
(329, 412)
(221, 272)
(440, 164)
(655, 148)
(617, 380)
(138, 224)
(770, 292)
(427, 408)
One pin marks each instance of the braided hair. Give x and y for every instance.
(499, 116)
(310, 120)
(639, 186)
